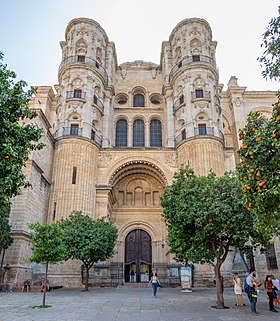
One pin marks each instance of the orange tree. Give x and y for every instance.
(259, 167)
(205, 219)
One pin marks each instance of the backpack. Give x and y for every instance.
(246, 286)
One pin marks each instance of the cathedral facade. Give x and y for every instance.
(115, 135)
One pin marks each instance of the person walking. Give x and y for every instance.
(155, 283)
(237, 287)
(269, 288)
(252, 291)
(276, 283)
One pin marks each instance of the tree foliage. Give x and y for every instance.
(259, 169)
(49, 247)
(270, 59)
(5, 236)
(88, 240)
(17, 138)
(205, 217)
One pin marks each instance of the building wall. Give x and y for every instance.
(199, 126)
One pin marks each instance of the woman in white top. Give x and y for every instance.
(155, 283)
(237, 287)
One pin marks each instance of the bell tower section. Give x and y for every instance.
(83, 109)
(193, 108)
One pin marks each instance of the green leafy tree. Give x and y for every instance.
(259, 168)
(5, 236)
(88, 240)
(49, 247)
(17, 138)
(205, 217)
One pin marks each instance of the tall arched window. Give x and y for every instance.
(138, 100)
(155, 133)
(121, 133)
(138, 133)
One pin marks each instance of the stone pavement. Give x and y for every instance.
(123, 304)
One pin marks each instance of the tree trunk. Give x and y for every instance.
(219, 285)
(87, 276)
(45, 285)
(1, 268)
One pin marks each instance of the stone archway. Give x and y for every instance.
(138, 256)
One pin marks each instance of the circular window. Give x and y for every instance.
(155, 99)
(121, 99)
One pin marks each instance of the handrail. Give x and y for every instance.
(86, 61)
(98, 103)
(203, 131)
(189, 60)
(178, 102)
(74, 132)
(75, 95)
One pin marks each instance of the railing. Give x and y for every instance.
(189, 60)
(98, 103)
(178, 103)
(86, 60)
(75, 95)
(74, 131)
(217, 100)
(201, 131)
(201, 95)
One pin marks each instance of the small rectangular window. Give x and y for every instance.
(77, 93)
(202, 129)
(92, 135)
(195, 58)
(74, 175)
(81, 58)
(54, 211)
(198, 93)
(74, 130)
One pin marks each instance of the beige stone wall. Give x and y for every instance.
(202, 155)
(82, 154)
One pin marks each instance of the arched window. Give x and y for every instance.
(155, 133)
(138, 100)
(121, 133)
(138, 133)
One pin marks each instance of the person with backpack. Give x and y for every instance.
(250, 287)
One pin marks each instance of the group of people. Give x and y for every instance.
(45, 284)
(250, 286)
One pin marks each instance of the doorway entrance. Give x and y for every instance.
(138, 256)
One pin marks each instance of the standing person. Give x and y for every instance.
(25, 286)
(45, 284)
(132, 274)
(269, 288)
(252, 291)
(276, 283)
(155, 283)
(237, 284)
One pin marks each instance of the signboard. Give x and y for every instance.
(186, 279)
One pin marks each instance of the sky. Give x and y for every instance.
(31, 30)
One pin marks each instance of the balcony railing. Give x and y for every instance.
(217, 100)
(201, 95)
(75, 95)
(178, 103)
(98, 103)
(201, 131)
(74, 132)
(83, 60)
(189, 60)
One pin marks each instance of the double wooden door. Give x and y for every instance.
(138, 256)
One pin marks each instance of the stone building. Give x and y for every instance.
(115, 135)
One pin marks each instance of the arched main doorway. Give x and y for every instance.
(138, 256)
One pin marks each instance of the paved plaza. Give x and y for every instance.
(123, 304)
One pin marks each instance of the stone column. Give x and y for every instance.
(106, 142)
(169, 118)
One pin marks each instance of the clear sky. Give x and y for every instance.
(30, 32)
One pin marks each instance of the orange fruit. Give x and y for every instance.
(253, 129)
(278, 105)
(273, 136)
(252, 156)
(258, 139)
(259, 190)
(249, 208)
(245, 146)
(252, 170)
(7, 156)
(278, 118)
(258, 174)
